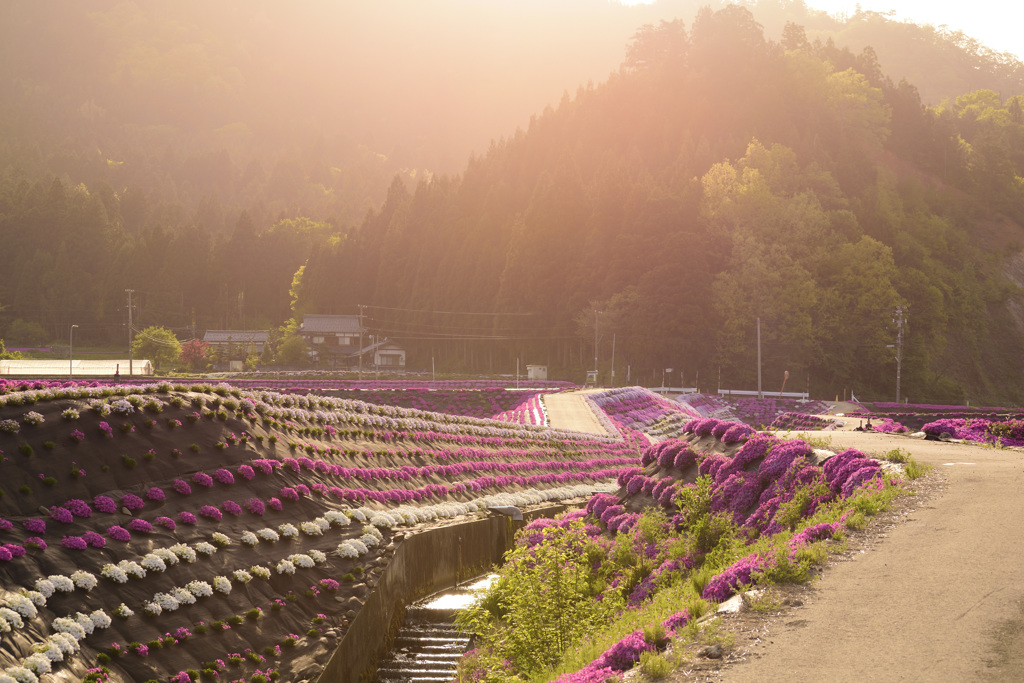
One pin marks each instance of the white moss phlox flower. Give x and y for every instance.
(69, 626)
(358, 515)
(301, 560)
(242, 576)
(65, 642)
(220, 539)
(22, 605)
(165, 554)
(84, 580)
(114, 573)
(311, 529)
(183, 596)
(222, 584)
(288, 530)
(200, 589)
(260, 571)
(346, 550)
(285, 567)
(100, 618)
(184, 552)
(318, 556)
(165, 601)
(268, 535)
(11, 618)
(153, 609)
(51, 650)
(154, 563)
(249, 538)
(359, 546)
(18, 674)
(124, 611)
(61, 583)
(85, 622)
(134, 569)
(36, 597)
(337, 518)
(37, 663)
(369, 540)
(205, 548)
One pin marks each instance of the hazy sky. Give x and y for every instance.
(996, 23)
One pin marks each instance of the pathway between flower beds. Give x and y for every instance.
(571, 411)
(937, 597)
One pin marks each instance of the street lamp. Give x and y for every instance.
(71, 352)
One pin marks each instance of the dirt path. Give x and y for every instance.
(936, 594)
(568, 410)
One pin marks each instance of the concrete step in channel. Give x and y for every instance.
(428, 646)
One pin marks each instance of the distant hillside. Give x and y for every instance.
(717, 179)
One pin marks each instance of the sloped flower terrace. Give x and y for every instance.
(766, 487)
(178, 532)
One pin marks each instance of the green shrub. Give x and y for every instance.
(654, 666)
(26, 450)
(25, 489)
(129, 462)
(50, 481)
(49, 445)
(194, 448)
(914, 469)
(544, 591)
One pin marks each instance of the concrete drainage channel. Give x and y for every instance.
(423, 563)
(428, 647)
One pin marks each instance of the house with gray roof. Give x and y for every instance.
(249, 341)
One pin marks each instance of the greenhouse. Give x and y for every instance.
(75, 368)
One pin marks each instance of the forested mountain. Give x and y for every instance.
(718, 178)
(236, 164)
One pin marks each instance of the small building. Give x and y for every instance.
(388, 354)
(537, 372)
(74, 368)
(331, 338)
(248, 341)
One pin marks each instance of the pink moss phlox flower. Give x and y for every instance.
(182, 487)
(231, 507)
(155, 493)
(725, 584)
(186, 517)
(255, 506)
(140, 525)
(165, 522)
(246, 472)
(210, 512)
(275, 504)
(79, 508)
(119, 533)
(94, 539)
(132, 502)
(35, 542)
(61, 514)
(202, 479)
(34, 525)
(104, 504)
(74, 543)
(224, 476)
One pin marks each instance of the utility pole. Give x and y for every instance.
(613, 362)
(899, 320)
(361, 342)
(595, 347)
(130, 292)
(759, 396)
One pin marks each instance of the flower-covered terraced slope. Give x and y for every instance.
(184, 532)
(705, 515)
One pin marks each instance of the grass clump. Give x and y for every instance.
(654, 666)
